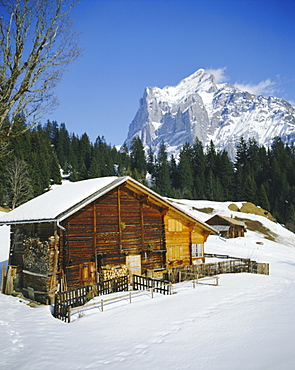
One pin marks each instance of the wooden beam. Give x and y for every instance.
(119, 218)
(191, 229)
(94, 238)
(142, 227)
(94, 227)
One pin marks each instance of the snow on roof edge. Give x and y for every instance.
(83, 201)
(61, 202)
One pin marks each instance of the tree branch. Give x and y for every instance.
(37, 43)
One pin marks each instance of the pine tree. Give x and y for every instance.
(210, 185)
(94, 170)
(51, 129)
(239, 182)
(241, 153)
(211, 157)
(250, 190)
(151, 163)
(253, 157)
(62, 147)
(262, 199)
(225, 176)
(85, 155)
(105, 157)
(137, 158)
(262, 177)
(199, 169)
(174, 174)
(74, 155)
(42, 162)
(124, 161)
(213, 184)
(83, 172)
(163, 185)
(55, 174)
(186, 178)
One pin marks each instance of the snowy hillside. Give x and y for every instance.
(247, 322)
(199, 107)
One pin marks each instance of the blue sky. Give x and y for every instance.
(133, 44)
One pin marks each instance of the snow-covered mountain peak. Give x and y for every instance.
(199, 107)
(197, 83)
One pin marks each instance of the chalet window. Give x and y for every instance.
(197, 250)
(174, 225)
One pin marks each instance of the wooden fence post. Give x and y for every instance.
(4, 276)
(69, 314)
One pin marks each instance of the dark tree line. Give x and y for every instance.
(263, 176)
(29, 165)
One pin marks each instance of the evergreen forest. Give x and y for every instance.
(32, 162)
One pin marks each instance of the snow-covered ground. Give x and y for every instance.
(247, 322)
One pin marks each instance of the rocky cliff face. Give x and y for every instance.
(198, 107)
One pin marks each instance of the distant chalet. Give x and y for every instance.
(227, 227)
(71, 235)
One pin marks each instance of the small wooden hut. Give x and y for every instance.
(83, 232)
(228, 227)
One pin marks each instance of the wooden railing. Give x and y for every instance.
(76, 299)
(231, 265)
(103, 302)
(79, 296)
(142, 282)
(118, 284)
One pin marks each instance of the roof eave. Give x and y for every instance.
(32, 221)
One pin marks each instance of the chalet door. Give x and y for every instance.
(133, 264)
(87, 273)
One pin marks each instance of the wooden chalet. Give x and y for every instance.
(83, 232)
(228, 227)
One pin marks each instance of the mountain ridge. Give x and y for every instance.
(199, 107)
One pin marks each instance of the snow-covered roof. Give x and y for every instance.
(62, 201)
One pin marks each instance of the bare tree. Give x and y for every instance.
(19, 185)
(37, 43)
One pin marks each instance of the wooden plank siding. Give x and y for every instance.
(180, 235)
(178, 241)
(110, 228)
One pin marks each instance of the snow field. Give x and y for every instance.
(247, 322)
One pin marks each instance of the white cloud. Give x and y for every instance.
(219, 74)
(266, 87)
